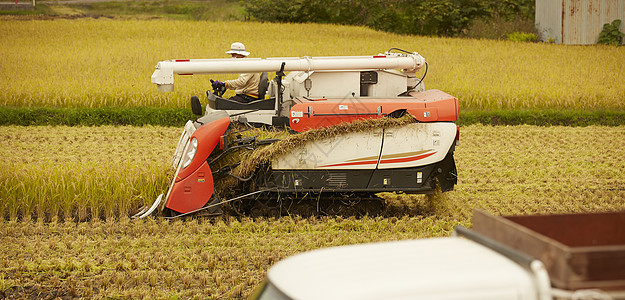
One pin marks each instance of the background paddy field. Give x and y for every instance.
(100, 63)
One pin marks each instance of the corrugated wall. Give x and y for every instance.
(549, 20)
(576, 21)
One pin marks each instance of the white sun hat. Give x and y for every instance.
(238, 48)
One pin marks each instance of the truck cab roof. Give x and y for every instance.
(438, 268)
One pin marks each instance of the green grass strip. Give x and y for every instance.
(543, 117)
(136, 116)
(139, 116)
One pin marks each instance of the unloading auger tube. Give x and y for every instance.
(163, 76)
(415, 156)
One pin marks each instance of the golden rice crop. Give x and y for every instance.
(94, 63)
(82, 172)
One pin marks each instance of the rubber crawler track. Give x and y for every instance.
(346, 205)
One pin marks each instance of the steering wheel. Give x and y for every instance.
(218, 89)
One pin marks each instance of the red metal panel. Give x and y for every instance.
(193, 192)
(208, 137)
(428, 106)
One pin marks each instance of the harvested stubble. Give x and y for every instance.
(222, 259)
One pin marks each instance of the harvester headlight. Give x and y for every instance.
(187, 158)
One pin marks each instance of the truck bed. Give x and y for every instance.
(580, 251)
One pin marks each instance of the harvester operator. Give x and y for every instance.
(246, 86)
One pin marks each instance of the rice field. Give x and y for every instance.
(96, 62)
(502, 169)
(66, 193)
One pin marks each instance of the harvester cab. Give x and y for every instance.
(263, 110)
(362, 125)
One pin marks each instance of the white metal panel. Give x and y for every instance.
(346, 84)
(416, 144)
(358, 150)
(327, 84)
(412, 145)
(391, 83)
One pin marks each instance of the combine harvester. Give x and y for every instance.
(318, 94)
